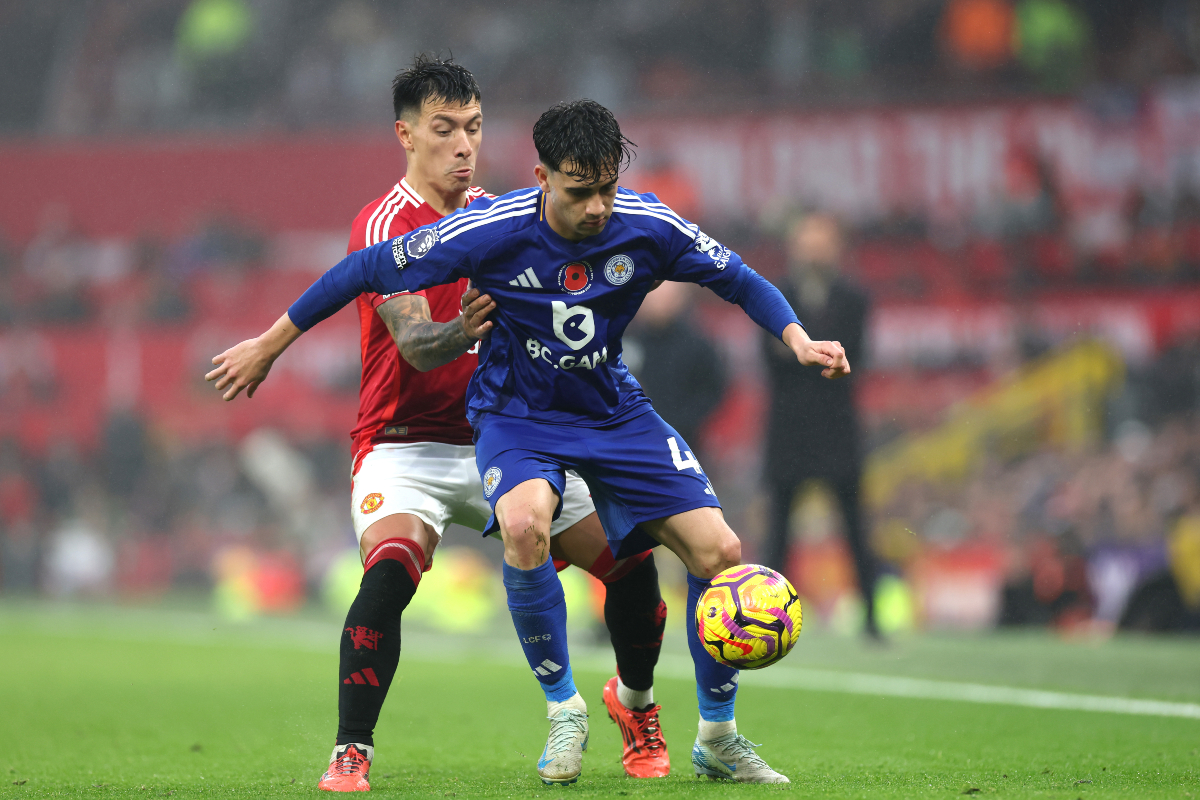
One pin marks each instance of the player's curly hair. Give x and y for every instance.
(430, 78)
(585, 136)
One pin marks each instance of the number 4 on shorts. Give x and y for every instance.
(679, 461)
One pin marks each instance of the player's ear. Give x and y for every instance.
(542, 174)
(404, 134)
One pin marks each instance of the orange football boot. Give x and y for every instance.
(645, 753)
(348, 768)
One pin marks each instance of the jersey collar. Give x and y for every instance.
(411, 192)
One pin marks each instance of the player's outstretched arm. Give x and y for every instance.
(427, 344)
(245, 365)
(830, 355)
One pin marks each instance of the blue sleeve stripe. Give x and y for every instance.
(683, 227)
(457, 219)
(520, 212)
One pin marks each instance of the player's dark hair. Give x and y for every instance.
(585, 135)
(433, 78)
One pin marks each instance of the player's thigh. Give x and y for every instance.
(577, 536)
(701, 538)
(524, 488)
(580, 544)
(643, 471)
(408, 491)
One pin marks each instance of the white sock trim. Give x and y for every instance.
(575, 702)
(633, 698)
(714, 730)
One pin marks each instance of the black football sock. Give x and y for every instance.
(370, 648)
(636, 616)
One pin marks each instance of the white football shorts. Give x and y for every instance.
(439, 483)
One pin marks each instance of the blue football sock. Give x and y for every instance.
(539, 613)
(716, 684)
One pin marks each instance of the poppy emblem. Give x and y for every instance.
(371, 503)
(576, 277)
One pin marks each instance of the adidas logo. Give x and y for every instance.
(366, 676)
(546, 668)
(526, 279)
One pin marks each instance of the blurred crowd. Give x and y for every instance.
(1029, 242)
(1076, 537)
(145, 512)
(71, 68)
(1022, 247)
(63, 278)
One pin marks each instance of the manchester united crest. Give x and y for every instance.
(371, 503)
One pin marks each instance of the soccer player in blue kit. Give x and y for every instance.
(568, 264)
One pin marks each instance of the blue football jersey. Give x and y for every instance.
(554, 353)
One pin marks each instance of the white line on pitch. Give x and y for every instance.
(194, 628)
(819, 680)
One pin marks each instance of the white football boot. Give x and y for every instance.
(562, 759)
(731, 757)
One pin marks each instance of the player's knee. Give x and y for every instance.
(399, 526)
(370, 540)
(725, 553)
(526, 538)
(730, 552)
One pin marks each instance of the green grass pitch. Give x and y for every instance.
(113, 703)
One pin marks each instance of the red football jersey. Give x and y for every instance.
(396, 401)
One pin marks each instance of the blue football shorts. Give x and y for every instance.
(638, 469)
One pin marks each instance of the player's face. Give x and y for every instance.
(443, 143)
(576, 209)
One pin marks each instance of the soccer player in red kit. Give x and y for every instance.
(414, 460)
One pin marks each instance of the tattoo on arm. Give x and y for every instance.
(423, 343)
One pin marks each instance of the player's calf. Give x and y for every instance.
(539, 614)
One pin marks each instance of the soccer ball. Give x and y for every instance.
(749, 617)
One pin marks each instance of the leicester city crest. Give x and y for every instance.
(491, 479)
(421, 242)
(619, 270)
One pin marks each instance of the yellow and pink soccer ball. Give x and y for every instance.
(749, 617)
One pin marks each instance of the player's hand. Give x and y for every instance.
(475, 309)
(830, 355)
(245, 365)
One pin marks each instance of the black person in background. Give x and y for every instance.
(821, 439)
